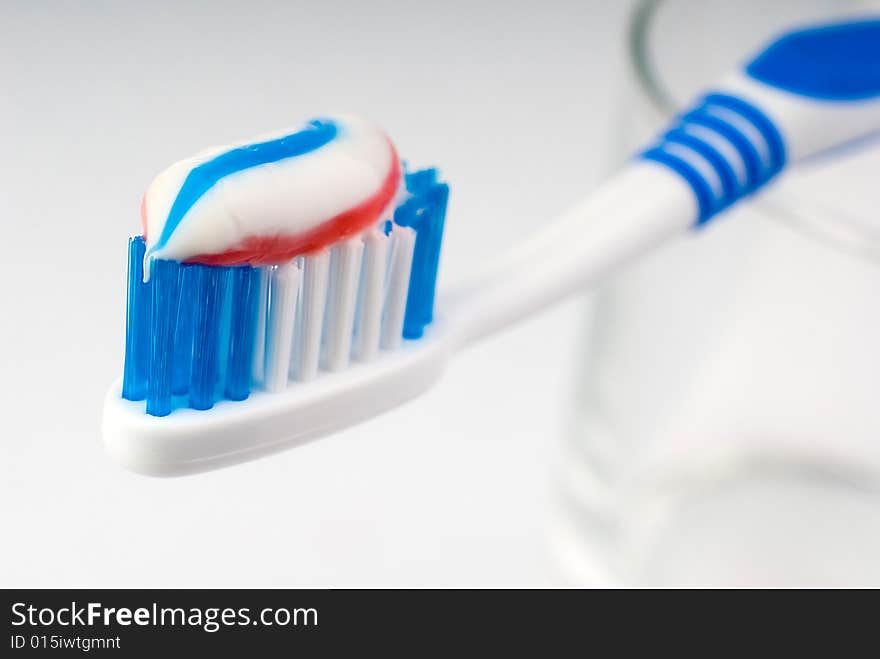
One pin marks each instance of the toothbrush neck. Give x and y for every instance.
(628, 214)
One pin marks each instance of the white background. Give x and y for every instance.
(511, 99)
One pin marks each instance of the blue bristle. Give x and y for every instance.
(137, 321)
(437, 198)
(425, 212)
(209, 288)
(226, 306)
(243, 324)
(165, 288)
(183, 335)
(420, 182)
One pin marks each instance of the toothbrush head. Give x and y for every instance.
(190, 441)
(275, 296)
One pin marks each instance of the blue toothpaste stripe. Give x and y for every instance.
(203, 177)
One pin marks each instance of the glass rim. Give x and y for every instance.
(638, 34)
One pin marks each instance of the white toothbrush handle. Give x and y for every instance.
(629, 214)
(809, 91)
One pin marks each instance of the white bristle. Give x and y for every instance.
(345, 273)
(283, 290)
(372, 295)
(260, 331)
(403, 242)
(307, 349)
(320, 310)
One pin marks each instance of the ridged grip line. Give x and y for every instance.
(692, 148)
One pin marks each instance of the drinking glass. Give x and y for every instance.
(727, 425)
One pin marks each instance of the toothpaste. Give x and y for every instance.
(267, 200)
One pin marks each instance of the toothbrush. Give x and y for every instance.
(294, 363)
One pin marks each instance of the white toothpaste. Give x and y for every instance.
(273, 197)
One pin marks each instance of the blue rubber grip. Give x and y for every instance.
(839, 62)
(691, 150)
(725, 134)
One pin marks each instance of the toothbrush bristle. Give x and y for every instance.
(245, 282)
(164, 311)
(196, 334)
(207, 301)
(400, 268)
(425, 212)
(137, 349)
(370, 295)
(183, 335)
(283, 293)
(345, 271)
(316, 268)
